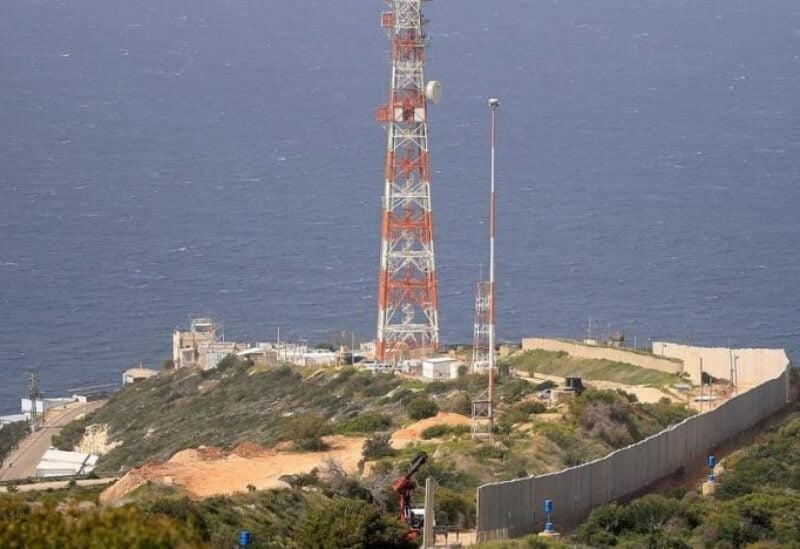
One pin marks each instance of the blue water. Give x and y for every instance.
(164, 158)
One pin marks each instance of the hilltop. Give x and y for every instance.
(239, 432)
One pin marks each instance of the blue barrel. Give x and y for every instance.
(245, 538)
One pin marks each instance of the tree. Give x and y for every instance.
(351, 523)
(421, 407)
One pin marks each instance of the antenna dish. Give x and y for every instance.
(433, 91)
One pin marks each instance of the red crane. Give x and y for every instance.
(404, 486)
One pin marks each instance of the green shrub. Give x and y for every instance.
(378, 447)
(126, 526)
(455, 508)
(436, 387)
(368, 422)
(344, 523)
(439, 431)
(71, 434)
(421, 407)
(512, 390)
(306, 431)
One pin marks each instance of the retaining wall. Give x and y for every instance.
(605, 353)
(514, 508)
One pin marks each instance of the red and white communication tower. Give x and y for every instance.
(408, 316)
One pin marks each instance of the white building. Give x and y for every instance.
(441, 368)
(43, 404)
(57, 463)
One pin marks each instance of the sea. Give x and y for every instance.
(219, 157)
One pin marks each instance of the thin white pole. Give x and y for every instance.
(493, 105)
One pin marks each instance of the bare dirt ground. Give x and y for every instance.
(207, 472)
(413, 433)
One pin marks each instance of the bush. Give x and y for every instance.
(647, 516)
(436, 387)
(454, 508)
(114, 527)
(351, 523)
(460, 404)
(369, 422)
(513, 390)
(378, 447)
(439, 431)
(421, 407)
(306, 431)
(71, 434)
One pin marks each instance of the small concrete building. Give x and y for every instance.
(137, 375)
(440, 368)
(57, 463)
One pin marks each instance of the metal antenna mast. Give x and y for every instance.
(483, 412)
(408, 317)
(480, 336)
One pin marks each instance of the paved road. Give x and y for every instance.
(22, 462)
(58, 484)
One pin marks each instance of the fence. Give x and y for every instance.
(513, 508)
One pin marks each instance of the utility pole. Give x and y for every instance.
(408, 303)
(428, 535)
(33, 396)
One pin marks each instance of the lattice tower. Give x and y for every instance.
(480, 334)
(408, 318)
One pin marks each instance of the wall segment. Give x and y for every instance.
(513, 508)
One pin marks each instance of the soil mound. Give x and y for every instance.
(207, 472)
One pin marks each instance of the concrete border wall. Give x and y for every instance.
(747, 366)
(603, 353)
(514, 508)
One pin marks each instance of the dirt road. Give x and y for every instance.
(21, 463)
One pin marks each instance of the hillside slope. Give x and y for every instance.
(186, 409)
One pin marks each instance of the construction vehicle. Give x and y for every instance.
(404, 487)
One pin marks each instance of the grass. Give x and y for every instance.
(563, 365)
